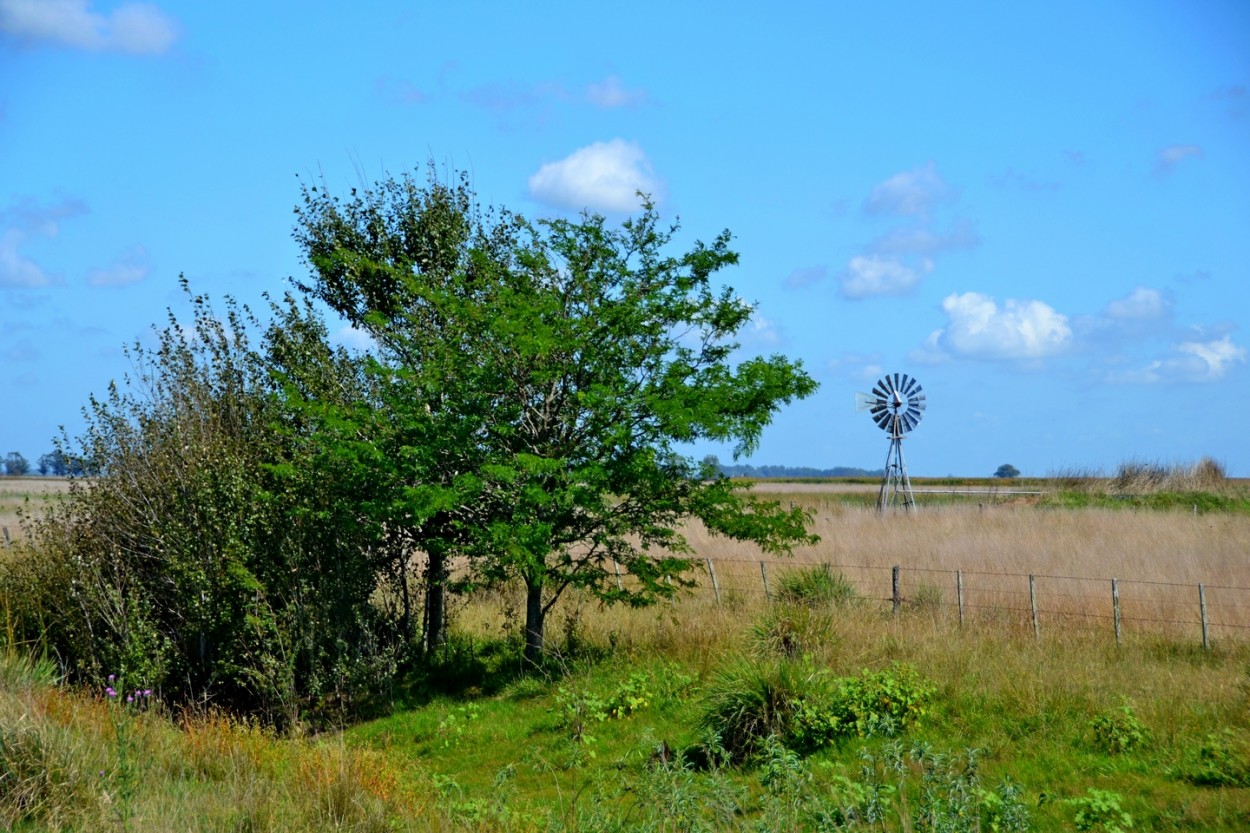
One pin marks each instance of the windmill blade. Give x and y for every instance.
(908, 422)
(882, 388)
(906, 386)
(882, 419)
(896, 385)
(864, 401)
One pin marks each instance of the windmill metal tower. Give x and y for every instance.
(897, 402)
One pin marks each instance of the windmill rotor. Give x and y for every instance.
(896, 404)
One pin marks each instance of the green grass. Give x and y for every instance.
(590, 741)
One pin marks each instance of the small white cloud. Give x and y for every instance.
(978, 328)
(908, 193)
(605, 176)
(867, 276)
(132, 267)
(134, 28)
(1142, 304)
(761, 332)
(806, 276)
(1216, 356)
(1173, 155)
(610, 93)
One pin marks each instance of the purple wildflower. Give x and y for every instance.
(110, 692)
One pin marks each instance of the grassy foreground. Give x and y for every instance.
(974, 729)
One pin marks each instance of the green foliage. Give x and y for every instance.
(807, 708)
(539, 381)
(203, 556)
(815, 585)
(1221, 760)
(1006, 470)
(1119, 730)
(882, 703)
(1099, 811)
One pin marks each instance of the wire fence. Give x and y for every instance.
(1117, 607)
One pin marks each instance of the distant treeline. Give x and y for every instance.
(797, 471)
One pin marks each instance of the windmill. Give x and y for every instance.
(897, 402)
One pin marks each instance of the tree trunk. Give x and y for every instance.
(533, 621)
(435, 600)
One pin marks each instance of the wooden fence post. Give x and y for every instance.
(1115, 607)
(768, 597)
(959, 594)
(711, 571)
(616, 568)
(1202, 609)
(1037, 631)
(895, 593)
(8, 542)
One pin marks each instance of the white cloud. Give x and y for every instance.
(21, 222)
(605, 176)
(134, 28)
(1173, 155)
(911, 192)
(132, 267)
(610, 93)
(1216, 357)
(978, 328)
(1142, 304)
(1192, 361)
(867, 276)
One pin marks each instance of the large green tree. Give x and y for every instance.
(545, 379)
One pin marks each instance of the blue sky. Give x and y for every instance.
(1041, 210)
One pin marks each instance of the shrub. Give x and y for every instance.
(816, 585)
(750, 701)
(807, 708)
(1099, 810)
(1119, 730)
(1221, 760)
(205, 555)
(791, 632)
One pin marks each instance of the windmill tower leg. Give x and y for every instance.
(895, 484)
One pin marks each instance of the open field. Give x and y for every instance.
(31, 492)
(473, 740)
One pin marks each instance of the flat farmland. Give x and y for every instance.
(31, 493)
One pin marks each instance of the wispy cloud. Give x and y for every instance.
(807, 276)
(908, 193)
(896, 261)
(132, 28)
(604, 176)
(923, 240)
(1189, 362)
(21, 222)
(977, 327)
(132, 267)
(1168, 158)
(868, 276)
(1142, 304)
(611, 93)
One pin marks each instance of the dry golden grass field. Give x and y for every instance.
(30, 492)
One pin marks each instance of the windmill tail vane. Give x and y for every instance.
(896, 404)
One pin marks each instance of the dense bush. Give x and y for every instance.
(207, 556)
(806, 707)
(816, 585)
